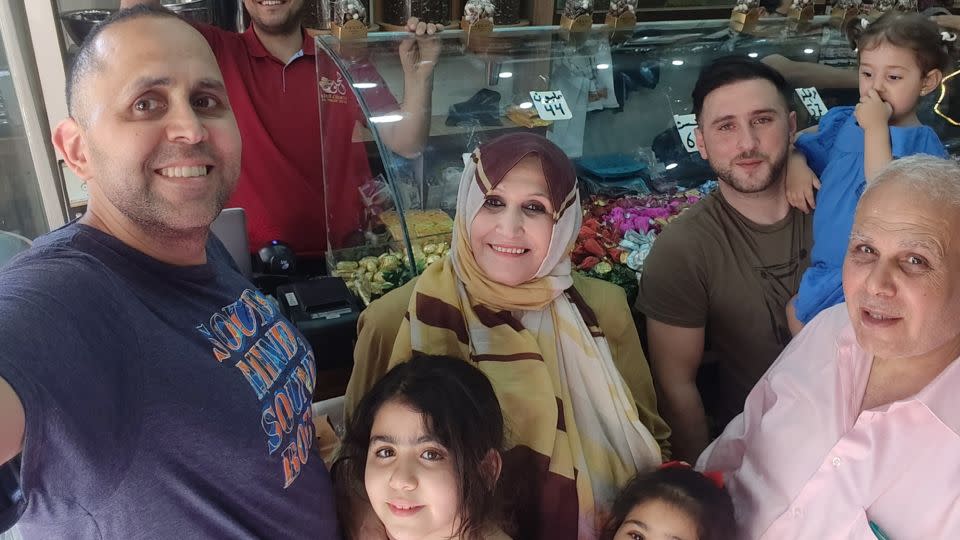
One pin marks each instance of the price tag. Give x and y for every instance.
(551, 105)
(812, 101)
(686, 124)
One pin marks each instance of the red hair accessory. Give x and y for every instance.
(714, 476)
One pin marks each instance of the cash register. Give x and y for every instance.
(321, 307)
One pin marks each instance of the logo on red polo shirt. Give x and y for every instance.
(333, 91)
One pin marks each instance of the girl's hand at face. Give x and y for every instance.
(873, 112)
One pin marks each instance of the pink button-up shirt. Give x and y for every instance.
(803, 462)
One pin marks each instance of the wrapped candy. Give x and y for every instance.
(370, 264)
(373, 276)
(576, 8)
(349, 22)
(800, 15)
(477, 24)
(622, 7)
(476, 10)
(622, 14)
(349, 10)
(883, 6)
(347, 266)
(637, 248)
(745, 15)
(389, 262)
(844, 11)
(617, 234)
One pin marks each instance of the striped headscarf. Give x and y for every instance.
(574, 435)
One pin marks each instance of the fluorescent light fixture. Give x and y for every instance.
(677, 62)
(364, 85)
(753, 55)
(670, 166)
(386, 119)
(808, 51)
(506, 74)
(525, 105)
(603, 66)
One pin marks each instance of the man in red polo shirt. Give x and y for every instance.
(271, 76)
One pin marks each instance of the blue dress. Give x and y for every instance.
(835, 153)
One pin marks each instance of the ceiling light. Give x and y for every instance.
(386, 119)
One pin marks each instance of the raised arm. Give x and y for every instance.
(675, 357)
(419, 54)
(873, 115)
(806, 74)
(12, 423)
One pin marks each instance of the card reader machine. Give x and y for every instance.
(326, 312)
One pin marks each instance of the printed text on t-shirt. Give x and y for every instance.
(279, 367)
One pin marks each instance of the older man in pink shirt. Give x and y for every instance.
(854, 432)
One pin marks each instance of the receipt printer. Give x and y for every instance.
(326, 312)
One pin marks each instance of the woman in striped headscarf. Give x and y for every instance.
(573, 383)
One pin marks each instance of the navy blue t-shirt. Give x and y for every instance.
(161, 401)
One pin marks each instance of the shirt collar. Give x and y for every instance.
(937, 396)
(256, 49)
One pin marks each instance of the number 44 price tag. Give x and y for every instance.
(812, 101)
(551, 105)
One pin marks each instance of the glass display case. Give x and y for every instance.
(624, 101)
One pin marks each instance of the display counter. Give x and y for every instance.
(623, 119)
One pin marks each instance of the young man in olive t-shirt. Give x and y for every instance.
(721, 274)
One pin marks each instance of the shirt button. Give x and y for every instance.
(797, 512)
(836, 462)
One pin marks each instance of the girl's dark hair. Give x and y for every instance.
(707, 504)
(906, 30)
(459, 408)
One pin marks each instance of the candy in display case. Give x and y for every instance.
(745, 16)
(620, 109)
(622, 14)
(349, 20)
(844, 11)
(577, 15)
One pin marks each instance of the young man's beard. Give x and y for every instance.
(729, 177)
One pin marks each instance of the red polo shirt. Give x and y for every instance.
(282, 169)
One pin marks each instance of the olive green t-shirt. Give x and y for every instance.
(714, 268)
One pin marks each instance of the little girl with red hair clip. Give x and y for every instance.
(671, 502)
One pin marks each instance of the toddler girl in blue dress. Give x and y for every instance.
(901, 58)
